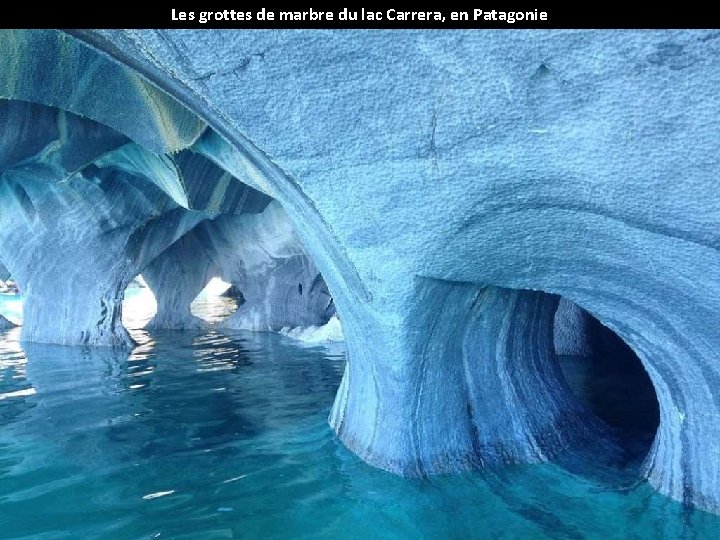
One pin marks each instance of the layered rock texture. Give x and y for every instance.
(74, 231)
(448, 186)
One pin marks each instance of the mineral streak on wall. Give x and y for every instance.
(448, 186)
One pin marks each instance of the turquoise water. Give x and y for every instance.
(211, 436)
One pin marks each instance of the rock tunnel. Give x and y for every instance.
(445, 220)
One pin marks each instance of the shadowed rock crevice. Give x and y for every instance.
(607, 376)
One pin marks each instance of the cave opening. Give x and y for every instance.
(607, 377)
(139, 305)
(216, 302)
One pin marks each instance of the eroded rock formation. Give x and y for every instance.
(581, 164)
(262, 256)
(85, 210)
(74, 232)
(176, 277)
(74, 266)
(258, 253)
(485, 386)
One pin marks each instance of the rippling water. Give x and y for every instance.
(211, 435)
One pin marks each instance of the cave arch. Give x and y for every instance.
(486, 390)
(157, 123)
(216, 302)
(227, 147)
(139, 305)
(178, 218)
(84, 209)
(541, 202)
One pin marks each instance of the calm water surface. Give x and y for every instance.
(214, 435)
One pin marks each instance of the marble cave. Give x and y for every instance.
(472, 207)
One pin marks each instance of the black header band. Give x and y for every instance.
(257, 16)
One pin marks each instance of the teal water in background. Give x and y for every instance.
(213, 435)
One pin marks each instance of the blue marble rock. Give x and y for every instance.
(449, 187)
(254, 248)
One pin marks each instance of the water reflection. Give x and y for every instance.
(224, 435)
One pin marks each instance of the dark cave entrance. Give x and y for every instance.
(606, 375)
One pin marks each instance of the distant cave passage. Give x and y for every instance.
(607, 376)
